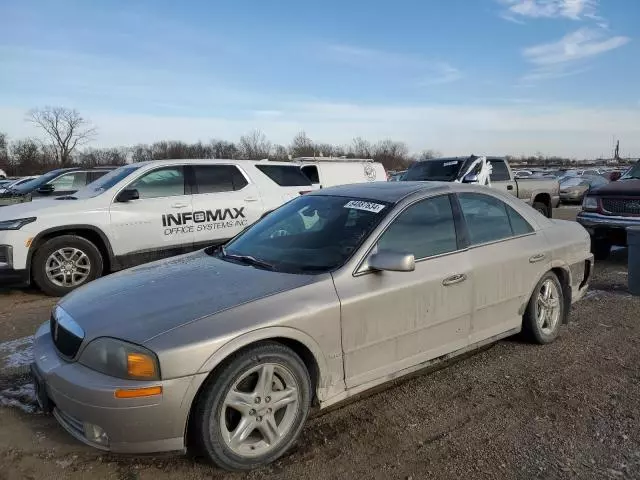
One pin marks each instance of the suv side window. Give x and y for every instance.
(489, 219)
(425, 229)
(500, 172)
(93, 175)
(162, 182)
(218, 178)
(69, 181)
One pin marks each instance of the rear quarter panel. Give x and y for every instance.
(570, 248)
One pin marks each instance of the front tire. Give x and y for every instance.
(542, 208)
(64, 263)
(545, 311)
(601, 249)
(252, 410)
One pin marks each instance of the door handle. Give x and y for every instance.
(509, 187)
(453, 279)
(537, 258)
(179, 205)
(250, 199)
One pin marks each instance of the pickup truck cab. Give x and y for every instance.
(541, 193)
(609, 210)
(138, 213)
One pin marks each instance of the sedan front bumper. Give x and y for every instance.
(82, 399)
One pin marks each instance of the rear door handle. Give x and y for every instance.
(453, 279)
(179, 205)
(537, 258)
(509, 187)
(251, 199)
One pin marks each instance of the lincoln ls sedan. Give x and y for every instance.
(226, 350)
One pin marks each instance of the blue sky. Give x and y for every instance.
(488, 76)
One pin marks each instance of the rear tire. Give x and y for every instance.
(265, 391)
(542, 208)
(545, 312)
(601, 249)
(78, 259)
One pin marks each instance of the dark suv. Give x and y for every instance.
(608, 210)
(56, 183)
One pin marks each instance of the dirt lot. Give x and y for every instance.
(567, 410)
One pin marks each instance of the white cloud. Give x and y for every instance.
(571, 9)
(452, 129)
(561, 58)
(582, 43)
(427, 72)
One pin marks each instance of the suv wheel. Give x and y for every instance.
(64, 263)
(251, 411)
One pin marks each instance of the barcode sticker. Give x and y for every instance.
(448, 164)
(366, 206)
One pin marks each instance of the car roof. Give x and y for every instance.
(173, 161)
(391, 192)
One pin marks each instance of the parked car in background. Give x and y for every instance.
(328, 172)
(522, 173)
(56, 183)
(14, 182)
(609, 210)
(573, 189)
(541, 193)
(138, 213)
(331, 295)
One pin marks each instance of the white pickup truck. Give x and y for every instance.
(543, 194)
(139, 213)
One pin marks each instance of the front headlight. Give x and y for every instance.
(16, 224)
(590, 203)
(120, 359)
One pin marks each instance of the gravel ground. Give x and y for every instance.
(567, 410)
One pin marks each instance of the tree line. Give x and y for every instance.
(67, 136)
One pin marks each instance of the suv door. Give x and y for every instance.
(507, 257)
(395, 320)
(157, 225)
(224, 203)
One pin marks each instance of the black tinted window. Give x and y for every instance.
(444, 169)
(285, 175)
(218, 178)
(424, 229)
(486, 217)
(96, 174)
(311, 172)
(519, 225)
(500, 172)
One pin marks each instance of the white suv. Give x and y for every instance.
(139, 213)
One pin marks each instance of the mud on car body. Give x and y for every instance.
(138, 213)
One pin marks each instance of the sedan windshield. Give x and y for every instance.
(311, 234)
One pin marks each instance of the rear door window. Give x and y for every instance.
(285, 175)
(218, 178)
(311, 172)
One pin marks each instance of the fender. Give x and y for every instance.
(65, 228)
(267, 333)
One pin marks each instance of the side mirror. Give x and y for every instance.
(128, 195)
(470, 178)
(392, 261)
(47, 188)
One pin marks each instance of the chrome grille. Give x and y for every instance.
(66, 341)
(621, 206)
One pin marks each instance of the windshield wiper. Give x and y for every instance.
(248, 260)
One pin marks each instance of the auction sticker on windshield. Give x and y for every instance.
(448, 164)
(366, 206)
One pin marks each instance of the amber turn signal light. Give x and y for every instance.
(140, 365)
(138, 392)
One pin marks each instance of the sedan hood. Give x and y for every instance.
(144, 302)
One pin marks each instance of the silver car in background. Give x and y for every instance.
(334, 293)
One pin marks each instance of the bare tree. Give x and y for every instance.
(279, 153)
(302, 146)
(224, 149)
(429, 154)
(255, 146)
(360, 148)
(393, 155)
(66, 129)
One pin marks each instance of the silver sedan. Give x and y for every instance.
(332, 294)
